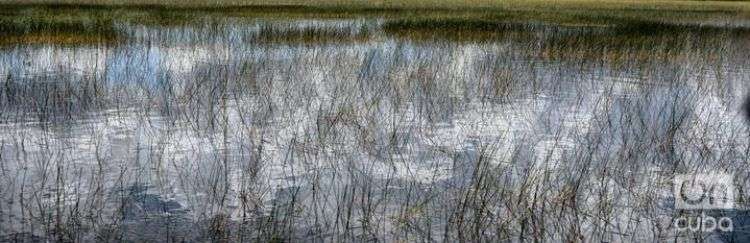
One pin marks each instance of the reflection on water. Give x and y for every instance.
(303, 130)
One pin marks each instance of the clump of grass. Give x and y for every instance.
(55, 31)
(452, 29)
(54, 38)
(78, 24)
(449, 25)
(294, 34)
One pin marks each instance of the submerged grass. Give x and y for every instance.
(398, 110)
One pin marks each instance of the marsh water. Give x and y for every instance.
(316, 130)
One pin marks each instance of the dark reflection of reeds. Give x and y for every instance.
(312, 34)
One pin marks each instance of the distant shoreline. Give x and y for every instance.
(393, 5)
(91, 21)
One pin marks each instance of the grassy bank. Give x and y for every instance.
(87, 21)
(333, 8)
(422, 4)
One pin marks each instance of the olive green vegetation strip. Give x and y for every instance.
(561, 11)
(421, 4)
(86, 21)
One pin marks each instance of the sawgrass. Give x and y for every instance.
(423, 4)
(93, 21)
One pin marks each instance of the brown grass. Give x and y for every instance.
(54, 38)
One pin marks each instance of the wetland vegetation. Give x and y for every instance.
(377, 121)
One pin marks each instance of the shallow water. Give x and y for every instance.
(217, 131)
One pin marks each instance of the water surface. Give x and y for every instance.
(343, 130)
